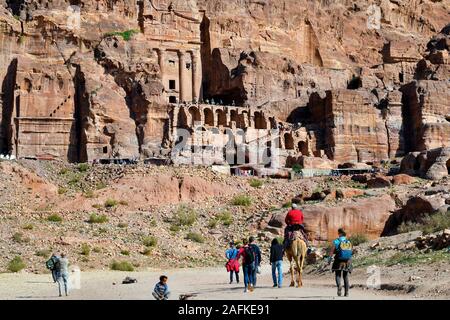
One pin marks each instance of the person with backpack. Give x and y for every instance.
(248, 265)
(233, 263)
(342, 250)
(276, 261)
(51, 265)
(62, 273)
(257, 252)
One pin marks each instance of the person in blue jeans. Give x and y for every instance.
(248, 265)
(276, 261)
(257, 253)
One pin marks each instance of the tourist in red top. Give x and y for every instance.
(294, 216)
(294, 222)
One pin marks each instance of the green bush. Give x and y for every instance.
(225, 217)
(242, 200)
(89, 194)
(147, 251)
(100, 185)
(83, 167)
(85, 249)
(256, 183)
(97, 249)
(18, 237)
(150, 241)
(428, 224)
(185, 216)
(63, 171)
(125, 252)
(62, 190)
(126, 35)
(174, 228)
(196, 237)
(212, 223)
(54, 218)
(16, 264)
(358, 238)
(97, 218)
(43, 253)
(122, 225)
(287, 204)
(28, 227)
(297, 168)
(122, 266)
(110, 203)
(123, 202)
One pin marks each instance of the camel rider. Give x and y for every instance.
(294, 222)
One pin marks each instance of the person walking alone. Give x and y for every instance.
(62, 273)
(233, 263)
(342, 265)
(276, 261)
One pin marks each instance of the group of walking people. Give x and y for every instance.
(249, 254)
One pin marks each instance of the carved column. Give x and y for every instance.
(161, 62)
(182, 64)
(196, 77)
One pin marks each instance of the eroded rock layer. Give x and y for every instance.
(345, 81)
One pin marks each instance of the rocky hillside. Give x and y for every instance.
(154, 216)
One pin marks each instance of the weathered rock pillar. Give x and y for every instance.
(183, 88)
(196, 77)
(161, 62)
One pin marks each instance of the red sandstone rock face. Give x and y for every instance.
(367, 216)
(351, 93)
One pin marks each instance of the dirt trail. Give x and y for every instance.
(205, 283)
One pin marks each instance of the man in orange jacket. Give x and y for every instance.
(294, 222)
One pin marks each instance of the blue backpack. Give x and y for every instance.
(345, 250)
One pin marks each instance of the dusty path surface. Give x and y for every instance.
(204, 283)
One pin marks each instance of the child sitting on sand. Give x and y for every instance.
(161, 291)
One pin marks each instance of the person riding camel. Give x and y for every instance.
(294, 222)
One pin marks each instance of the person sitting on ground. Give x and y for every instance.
(342, 265)
(161, 290)
(233, 263)
(294, 222)
(276, 261)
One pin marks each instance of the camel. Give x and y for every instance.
(296, 252)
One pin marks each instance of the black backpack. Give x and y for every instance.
(249, 255)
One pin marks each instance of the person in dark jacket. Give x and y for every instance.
(257, 251)
(276, 261)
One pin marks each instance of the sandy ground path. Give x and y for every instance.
(205, 283)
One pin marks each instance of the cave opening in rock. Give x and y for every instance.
(195, 115)
(303, 148)
(209, 117)
(221, 118)
(448, 166)
(288, 141)
(6, 129)
(78, 139)
(260, 121)
(354, 83)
